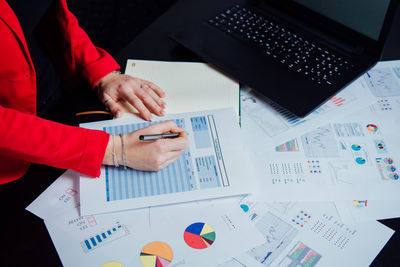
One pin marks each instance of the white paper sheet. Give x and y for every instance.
(80, 242)
(189, 86)
(353, 157)
(309, 234)
(62, 195)
(358, 211)
(213, 166)
(94, 240)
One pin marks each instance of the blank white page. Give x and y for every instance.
(189, 86)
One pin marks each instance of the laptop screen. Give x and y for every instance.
(364, 16)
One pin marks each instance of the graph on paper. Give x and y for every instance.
(301, 255)
(108, 235)
(186, 174)
(320, 143)
(274, 119)
(288, 146)
(278, 235)
(382, 82)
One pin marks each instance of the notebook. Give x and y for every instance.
(189, 86)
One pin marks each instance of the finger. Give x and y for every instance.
(155, 97)
(161, 127)
(149, 102)
(170, 160)
(137, 103)
(160, 92)
(175, 144)
(114, 108)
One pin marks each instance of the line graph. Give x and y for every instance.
(320, 143)
(382, 82)
(278, 234)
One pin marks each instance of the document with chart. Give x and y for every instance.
(309, 234)
(201, 233)
(351, 158)
(358, 211)
(213, 166)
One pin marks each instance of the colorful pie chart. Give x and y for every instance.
(372, 128)
(361, 160)
(388, 160)
(199, 235)
(156, 254)
(112, 264)
(356, 147)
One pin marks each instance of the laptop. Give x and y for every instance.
(297, 53)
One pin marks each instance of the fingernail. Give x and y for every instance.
(118, 114)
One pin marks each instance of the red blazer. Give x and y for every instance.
(26, 138)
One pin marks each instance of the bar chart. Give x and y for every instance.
(104, 237)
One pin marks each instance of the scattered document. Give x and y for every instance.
(196, 235)
(358, 211)
(199, 234)
(344, 159)
(309, 234)
(213, 166)
(62, 195)
(189, 86)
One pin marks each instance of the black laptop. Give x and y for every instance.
(297, 53)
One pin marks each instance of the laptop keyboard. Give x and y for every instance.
(287, 47)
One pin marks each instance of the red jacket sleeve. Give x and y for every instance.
(60, 31)
(32, 139)
(26, 138)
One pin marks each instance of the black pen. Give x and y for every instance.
(151, 137)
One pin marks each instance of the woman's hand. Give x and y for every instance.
(141, 94)
(148, 156)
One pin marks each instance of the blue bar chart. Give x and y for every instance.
(104, 237)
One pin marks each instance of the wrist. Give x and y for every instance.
(100, 81)
(113, 155)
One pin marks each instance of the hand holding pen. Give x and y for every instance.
(165, 143)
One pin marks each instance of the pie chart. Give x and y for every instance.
(199, 235)
(112, 264)
(356, 147)
(156, 254)
(372, 128)
(361, 160)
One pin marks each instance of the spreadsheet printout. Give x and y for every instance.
(212, 166)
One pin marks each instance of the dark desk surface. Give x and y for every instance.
(24, 238)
